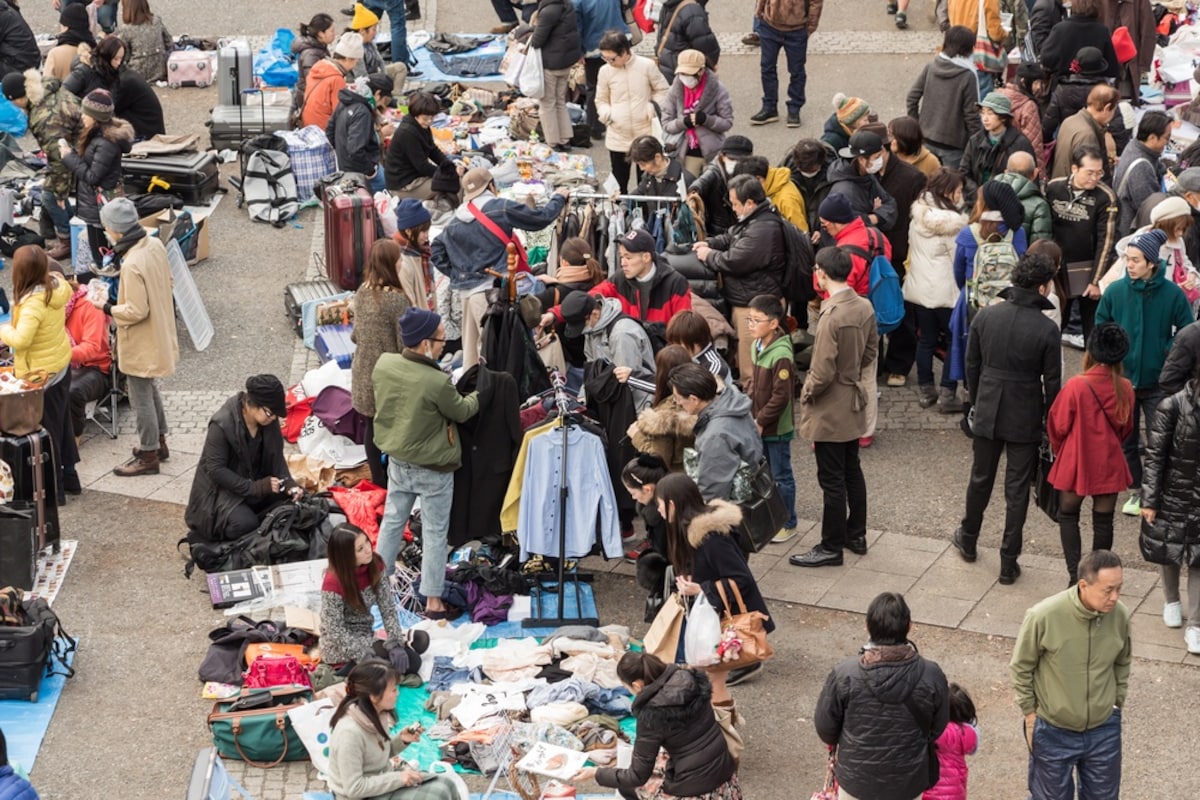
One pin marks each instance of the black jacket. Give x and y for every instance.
(410, 155)
(99, 167)
(1084, 223)
(18, 46)
(1180, 366)
(983, 160)
(713, 189)
(1014, 367)
(133, 98)
(1068, 97)
(674, 713)
(904, 183)
(665, 185)
(557, 34)
(690, 31)
(1065, 39)
(717, 558)
(351, 131)
(1044, 15)
(233, 469)
(750, 257)
(882, 746)
(1170, 482)
(861, 191)
(813, 189)
(490, 440)
(610, 403)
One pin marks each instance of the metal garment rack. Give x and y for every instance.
(636, 198)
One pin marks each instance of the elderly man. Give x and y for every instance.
(147, 347)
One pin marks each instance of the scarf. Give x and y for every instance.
(691, 99)
(73, 37)
(572, 273)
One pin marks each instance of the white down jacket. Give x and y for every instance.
(623, 101)
(929, 282)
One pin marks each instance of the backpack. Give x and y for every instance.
(883, 287)
(269, 187)
(798, 265)
(284, 535)
(991, 272)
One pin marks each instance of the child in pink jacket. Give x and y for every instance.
(959, 740)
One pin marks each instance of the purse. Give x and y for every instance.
(272, 650)
(988, 56)
(1079, 275)
(727, 722)
(662, 639)
(744, 626)
(830, 790)
(262, 737)
(269, 671)
(763, 513)
(1045, 495)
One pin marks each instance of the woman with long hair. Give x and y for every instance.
(640, 478)
(361, 749)
(134, 99)
(39, 341)
(703, 548)
(664, 428)
(679, 750)
(310, 46)
(1086, 425)
(147, 39)
(378, 304)
(937, 219)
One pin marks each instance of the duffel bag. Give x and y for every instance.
(254, 727)
(34, 648)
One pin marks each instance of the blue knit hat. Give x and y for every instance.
(1150, 243)
(411, 213)
(417, 325)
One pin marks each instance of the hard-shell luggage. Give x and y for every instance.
(235, 72)
(192, 176)
(349, 234)
(297, 294)
(32, 462)
(26, 650)
(189, 68)
(230, 124)
(18, 547)
(333, 344)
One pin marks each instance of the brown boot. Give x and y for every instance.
(143, 463)
(61, 248)
(164, 454)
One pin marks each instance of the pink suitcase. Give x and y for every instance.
(189, 68)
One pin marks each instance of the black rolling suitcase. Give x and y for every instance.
(32, 645)
(192, 176)
(31, 459)
(297, 294)
(18, 547)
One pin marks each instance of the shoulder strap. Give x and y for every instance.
(1125, 177)
(737, 595)
(1107, 418)
(670, 24)
(925, 725)
(487, 222)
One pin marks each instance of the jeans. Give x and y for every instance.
(932, 324)
(779, 456)
(59, 216)
(87, 384)
(397, 13)
(106, 15)
(377, 183)
(507, 11)
(1144, 405)
(843, 485)
(552, 108)
(1018, 477)
(795, 46)
(987, 82)
(1170, 587)
(148, 408)
(949, 156)
(407, 482)
(1057, 755)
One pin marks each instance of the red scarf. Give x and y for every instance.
(691, 99)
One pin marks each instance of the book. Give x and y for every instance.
(238, 586)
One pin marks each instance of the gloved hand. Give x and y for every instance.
(699, 116)
(688, 121)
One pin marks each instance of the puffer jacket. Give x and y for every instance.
(1044, 15)
(863, 710)
(54, 114)
(674, 713)
(929, 282)
(99, 167)
(18, 46)
(14, 787)
(689, 31)
(625, 99)
(38, 336)
(664, 430)
(1039, 223)
(717, 106)
(861, 191)
(750, 257)
(725, 439)
(307, 51)
(712, 186)
(557, 34)
(786, 197)
(351, 131)
(959, 740)
(326, 79)
(1170, 484)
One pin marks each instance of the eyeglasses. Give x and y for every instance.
(270, 414)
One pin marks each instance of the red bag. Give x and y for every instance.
(269, 671)
(296, 415)
(1123, 45)
(363, 506)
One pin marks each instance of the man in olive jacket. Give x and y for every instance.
(416, 408)
(1070, 672)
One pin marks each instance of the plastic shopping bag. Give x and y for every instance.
(532, 82)
(702, 634)
(446, 771)
(274, 64)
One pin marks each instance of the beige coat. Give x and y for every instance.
(623, 101)
(147, 346)
(833, 402)
(58, 61)
(1079, 129)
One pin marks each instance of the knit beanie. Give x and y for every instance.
(98, 104)
(836, 208)
(1003, 198)
(74, 17)
(349, 45)
(1169, 208)
(411, 213)
(13, 85)
(445, 179)
(850, 109)
(265, 391)
(363, 18)
(1108, 343)
(417, 325)
(1150, 243)
(119, 214)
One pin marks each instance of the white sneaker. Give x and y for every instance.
(784, 535)
(1192, 637)
(1073, 340)
(1173, 617)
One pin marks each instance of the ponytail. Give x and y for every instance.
(644, 667)
(318, 24)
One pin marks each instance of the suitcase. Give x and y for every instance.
(18, 548)
(34, 488)
(235, 72)
(349, 234)
(297, 294)
(333, 344)
(189, 68)
(192, 176)
(26, 649)
(230, 124)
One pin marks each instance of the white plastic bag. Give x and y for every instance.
(532, 83)
(385, 210)
(442, 769)
(311, 723)
(702, 634)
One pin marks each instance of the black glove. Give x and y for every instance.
(688, 122)
(699, 116)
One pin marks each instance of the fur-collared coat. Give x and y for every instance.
(664, 430)
(717, 556)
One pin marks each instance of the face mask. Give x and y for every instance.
(730, 166)
(690, 81)
(875, 166)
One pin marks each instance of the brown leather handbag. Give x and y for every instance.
(747, 626)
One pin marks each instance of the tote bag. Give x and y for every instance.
(989, 56)
(531, 82)
(662, 639)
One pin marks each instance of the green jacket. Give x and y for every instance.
(1038, 223)
(770, 389)
(1151, 312)
(1071, 664)
(416, 408)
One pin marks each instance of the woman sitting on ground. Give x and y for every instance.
(679, 750)
(412, 158)
(347, 627)
(242, 473)
(361, 749)
(73, 31)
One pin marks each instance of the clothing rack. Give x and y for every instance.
(636, 198)
(565, 418)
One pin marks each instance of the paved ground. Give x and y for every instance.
(130, 722)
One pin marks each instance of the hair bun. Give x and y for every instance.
(651, 460)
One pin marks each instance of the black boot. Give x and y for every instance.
(1068, 533)
(1102, 529)
(965, 544)
(1010, 570)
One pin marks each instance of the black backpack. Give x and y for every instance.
(798, 266)
(285, 535)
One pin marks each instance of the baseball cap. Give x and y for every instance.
(637, 241)
(862, 143)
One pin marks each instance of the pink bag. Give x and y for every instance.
(1180, 277)
(269, 671)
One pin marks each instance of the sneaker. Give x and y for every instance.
(901, 20)
(897, 380)
(926, 396)
(1173, 615)
(793, 119)
(1074, 340)
(892, 8)
(635, 552)
(743, 674)
(1191, 636)
(751, 40)
(1133, 506)
(785, 535)
(765, 116)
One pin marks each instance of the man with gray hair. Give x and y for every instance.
(147, 347)
(1022, 176)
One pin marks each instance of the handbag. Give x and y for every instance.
(269, 671)
(273, 650)
(311, 723)
(988, 56)
(830, 790)
(763, 513)
(262, 737)
(744, 627)
(1079, 275)
(662, 639)
(1045, 495)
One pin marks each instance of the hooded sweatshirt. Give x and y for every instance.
(786, 198)
(725, 439)
(623, 342)
(944, 99)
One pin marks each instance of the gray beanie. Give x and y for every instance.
(119, 214)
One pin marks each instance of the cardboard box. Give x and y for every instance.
(155, 222)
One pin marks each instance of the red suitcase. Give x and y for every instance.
(349, 234)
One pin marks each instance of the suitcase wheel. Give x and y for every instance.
(174, 84)
(33, 697)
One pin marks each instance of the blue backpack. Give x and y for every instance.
(883, 289)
